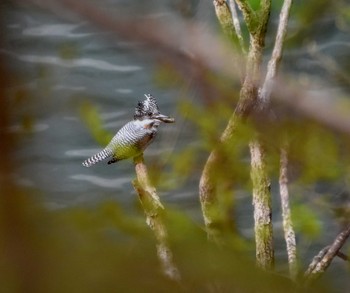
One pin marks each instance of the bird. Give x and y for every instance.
(135, 136)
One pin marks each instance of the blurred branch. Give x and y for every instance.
(329, 64)
(324, 258)
(289, 234)
(186, 47)
(323, 108)
(153, 209)
(343, 256)
(185, 44)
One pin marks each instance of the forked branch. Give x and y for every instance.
(324, 258)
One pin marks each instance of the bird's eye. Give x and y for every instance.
(149, 113)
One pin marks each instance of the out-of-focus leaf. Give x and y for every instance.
(306, 221)
(93, 121)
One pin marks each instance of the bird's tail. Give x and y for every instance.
(97, 157)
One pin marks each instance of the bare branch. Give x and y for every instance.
(324, 258)
(317, 258)
(153, 210)
(289, 234)
(343, 256)
(273, 64)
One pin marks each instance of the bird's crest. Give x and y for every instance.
(146, 108)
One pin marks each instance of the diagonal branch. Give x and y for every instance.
(324, 258)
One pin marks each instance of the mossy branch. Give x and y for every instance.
(224, 16)
(154, 209)
(257, 24)
(237, 24)
(250, 16)
(262, 206)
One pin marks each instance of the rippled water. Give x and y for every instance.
(109, 73)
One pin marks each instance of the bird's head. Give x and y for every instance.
(148, 109)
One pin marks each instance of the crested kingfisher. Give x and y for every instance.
(134, 137)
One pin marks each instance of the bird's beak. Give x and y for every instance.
(164, 118)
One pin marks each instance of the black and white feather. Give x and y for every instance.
(134, 137)
(146, 108)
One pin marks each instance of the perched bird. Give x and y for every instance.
(133, 138)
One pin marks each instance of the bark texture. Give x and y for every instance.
(153, 209)
(324, 258)
(289, 234)
(257, 24)
(262, 207)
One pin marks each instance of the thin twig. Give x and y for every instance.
(153, 209)
(343, 256)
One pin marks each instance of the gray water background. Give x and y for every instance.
(114, 75)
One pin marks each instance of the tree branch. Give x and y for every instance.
(289, 234)
(236, 24)
(224, 16)
(275, 59)
(249, 15)
(262, 207)
(324, 258)
(153, 209)
(343, 256)
(248, 97)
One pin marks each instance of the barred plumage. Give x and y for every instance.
(133, 138)
(97, 157)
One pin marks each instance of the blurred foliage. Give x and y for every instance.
(104, 249)
(91, 117)
(305, 221)
(167, 76)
